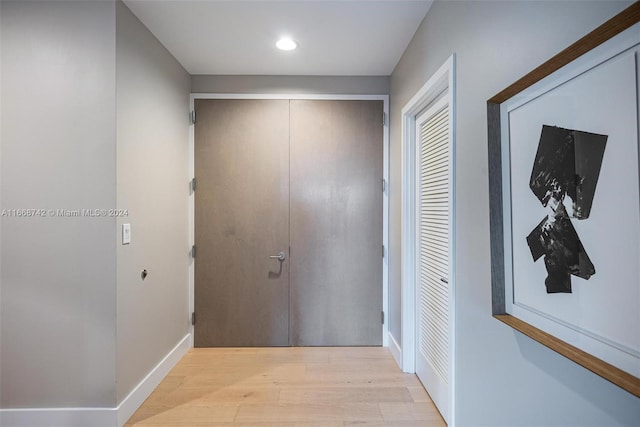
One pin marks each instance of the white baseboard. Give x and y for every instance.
(97, 417)
(395, 350)
(58, 417)
(139, 394)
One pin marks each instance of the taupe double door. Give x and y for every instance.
(298, 177)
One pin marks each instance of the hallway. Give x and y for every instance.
(288, 386)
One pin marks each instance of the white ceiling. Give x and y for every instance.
(238, 37)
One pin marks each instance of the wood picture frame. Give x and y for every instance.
(534, 85)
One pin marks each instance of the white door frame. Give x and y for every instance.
(442, 83)
(385, 198)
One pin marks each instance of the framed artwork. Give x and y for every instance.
(564, 181)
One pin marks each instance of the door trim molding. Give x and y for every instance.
(385, 197)
(441, 84)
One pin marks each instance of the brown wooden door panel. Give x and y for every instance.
(243, 152)
(336, 222)
(241, 217)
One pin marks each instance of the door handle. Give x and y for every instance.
(443, 280)
(280, 257)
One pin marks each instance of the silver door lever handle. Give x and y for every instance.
(280, 257)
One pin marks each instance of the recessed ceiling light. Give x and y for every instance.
(286, 43)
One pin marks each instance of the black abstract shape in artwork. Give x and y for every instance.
(564, 255)
(567, 164)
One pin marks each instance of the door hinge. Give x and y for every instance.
(193, 251)
(384, 185)
(384, 118)
(382, 251)
(192, 117)
(193, 318)
(193, 185)
(382, 317)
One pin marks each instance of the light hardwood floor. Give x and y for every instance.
(291, 386)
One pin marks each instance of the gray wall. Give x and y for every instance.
(58, 295)
(342, 85)
(70, 116)
(153, 142)
(503, 378)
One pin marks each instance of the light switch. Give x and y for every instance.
(126, 234)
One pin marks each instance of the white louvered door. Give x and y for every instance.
(433, 292)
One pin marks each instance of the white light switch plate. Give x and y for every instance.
(126, 234)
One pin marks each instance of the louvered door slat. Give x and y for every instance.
(433, 246)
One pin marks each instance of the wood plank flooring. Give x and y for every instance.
(288, 386)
